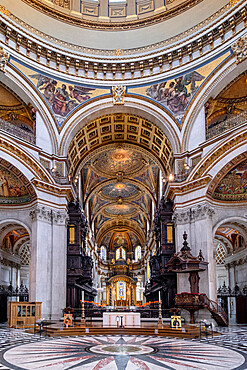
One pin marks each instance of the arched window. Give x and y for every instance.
(138, 253)
(103, 253)
(120, 253)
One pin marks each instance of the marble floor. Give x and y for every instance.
(20, 350)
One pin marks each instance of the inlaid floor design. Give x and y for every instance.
(120, 352)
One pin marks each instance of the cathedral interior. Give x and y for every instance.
(123, 159)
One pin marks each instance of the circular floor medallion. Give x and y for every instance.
(121, 349)
(122, 352)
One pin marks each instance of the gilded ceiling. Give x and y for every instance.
(120, 179)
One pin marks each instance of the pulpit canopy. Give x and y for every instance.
(183, 261)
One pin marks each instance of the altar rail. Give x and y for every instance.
(146, 313)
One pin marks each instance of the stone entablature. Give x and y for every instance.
(156, 60)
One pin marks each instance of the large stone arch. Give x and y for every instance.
(24, 88)
(221, 77)
(23, 160)
(139, 106)
(225, 151)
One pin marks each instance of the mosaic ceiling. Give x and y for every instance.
(120, 180)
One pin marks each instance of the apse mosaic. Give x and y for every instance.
(120, 239)
(233, 186)
(122, 353)
(12, 188)
(120, 189)
(62, 97)
(175, 94)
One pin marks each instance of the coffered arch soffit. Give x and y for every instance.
(133, 105)
(217, 82)
(9, 224)
(27, 92)
(120, 128)
(227, 229)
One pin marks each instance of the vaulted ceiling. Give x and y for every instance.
(120, 174)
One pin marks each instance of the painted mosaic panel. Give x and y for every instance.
(120, 189)
(12, 190)
(63, 97)
(233, 186)
(176, 93)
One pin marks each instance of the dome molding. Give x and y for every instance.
(68, 15)
(154, 61)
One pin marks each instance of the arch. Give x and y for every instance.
(224, 171)
(22, 159)
(229, 148)
(231, 221)
(226, 72)
(135, 105)
(114, 129)
(28, 92)
(14, 222)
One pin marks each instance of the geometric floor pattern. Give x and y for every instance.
(20, 350)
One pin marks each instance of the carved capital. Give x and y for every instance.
(199, 212)
(41, 213)
(49, 215)
(239, 49)
(60, 218)
(4, 57)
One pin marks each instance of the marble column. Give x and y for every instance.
(47, 282)
(197, 222)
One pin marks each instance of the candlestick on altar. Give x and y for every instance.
(160, 323)
(83, 320)
(159, 296)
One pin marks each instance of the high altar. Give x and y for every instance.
(121, 291)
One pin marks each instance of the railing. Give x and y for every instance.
(226, 125)
(214, 307)
(21, 292)
(193, 302)
(13, 129)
